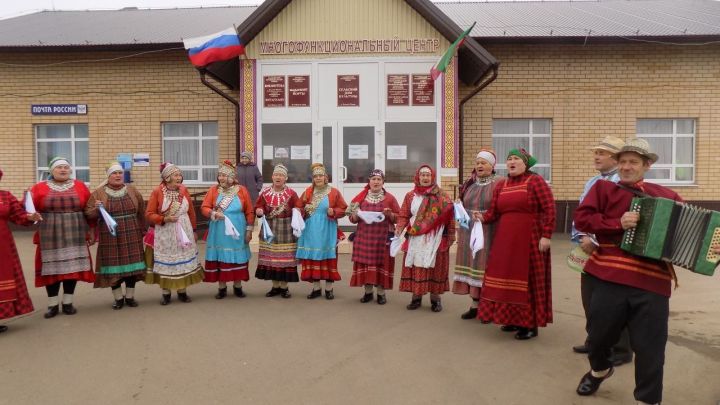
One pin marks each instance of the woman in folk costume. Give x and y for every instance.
(516, 289)
(120, 257)
(62, 255)
(321, 206)
(427, 216)
(175, 263)
(227, 253)
(372, 264)
(14, 297)
(276, 257)
(475, 195)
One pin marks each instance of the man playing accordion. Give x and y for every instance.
(628, 290)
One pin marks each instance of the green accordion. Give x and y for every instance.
(675, 232)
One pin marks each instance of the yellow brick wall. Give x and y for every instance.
(127, 100)
(597, 90)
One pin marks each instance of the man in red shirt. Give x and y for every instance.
(628, 290)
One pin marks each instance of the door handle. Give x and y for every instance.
(344, 173)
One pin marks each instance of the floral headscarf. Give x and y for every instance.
(436, 208)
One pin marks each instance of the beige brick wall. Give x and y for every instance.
(597, 90)
(127, 101)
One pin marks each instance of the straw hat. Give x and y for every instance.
(610, 143)
(639, 146)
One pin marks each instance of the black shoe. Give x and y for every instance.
(52, 312)
(509, 328)
(3, 328)
(329, 295)
(238, 292)
(131, 302)
(285, 293)
(470, 314)
(381, 300)
(118, 304)
(589, 384)
(526, 333)
(620, 359)
(314, 294)
(69, 309)
(435, 306)
(165, 299)
(414, 304)
(183, 297)
(273, 292)
(222, 293)
(367, 297)
(582, 349)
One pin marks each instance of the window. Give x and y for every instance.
(674, 142)
(67, 140)
(531, 134)
(289, 144)
(408, 144)
(192, 146)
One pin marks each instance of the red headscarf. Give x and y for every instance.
(436, 208)
(1, 174)
(422, 190)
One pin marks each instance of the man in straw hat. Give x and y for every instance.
(628, 291)
(604, 162)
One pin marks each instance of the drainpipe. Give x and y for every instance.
(462, 118)
(236, 103)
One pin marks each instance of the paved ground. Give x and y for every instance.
(261, 350)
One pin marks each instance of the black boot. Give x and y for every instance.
(329, 295)
(367, 297)
(314, 294)
(69, 309)
(118, 304)
(414, 304)
(381, 300)
(238, 292)
(183, 297)
(436, 306)
(526, 333)
(131, 302)
(273, 292)
(470, 314)
(222, 293)
(52, 312)
(165, 299)
(3, 328)
(285, 293)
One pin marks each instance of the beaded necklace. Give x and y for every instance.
(60, 187)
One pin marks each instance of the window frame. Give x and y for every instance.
(72, 139)
(199, 139)
(531, 135)
(672, 166)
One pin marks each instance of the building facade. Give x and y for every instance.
(347, 83)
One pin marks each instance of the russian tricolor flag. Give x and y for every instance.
(222, 45)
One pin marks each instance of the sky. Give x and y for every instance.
(11, 8)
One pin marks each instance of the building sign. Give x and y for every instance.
(423, 90)
(58, 109)
(274, 91)
(298, 91)
(398, 90)
(348, 90)
(395, 45)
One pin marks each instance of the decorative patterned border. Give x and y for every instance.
(248, 105)
(450, 117)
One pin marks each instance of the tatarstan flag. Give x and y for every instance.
(444, 61)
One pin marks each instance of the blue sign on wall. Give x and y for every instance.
(58, 109)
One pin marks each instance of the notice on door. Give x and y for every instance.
(396, 152)
(300, 152)
(298, 91)
(398, 90)
(348, 90)
(274, 91)
(357, 151)
(423, 90)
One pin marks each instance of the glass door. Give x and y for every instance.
(357, 155)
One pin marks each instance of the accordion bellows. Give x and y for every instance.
(674, 232)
